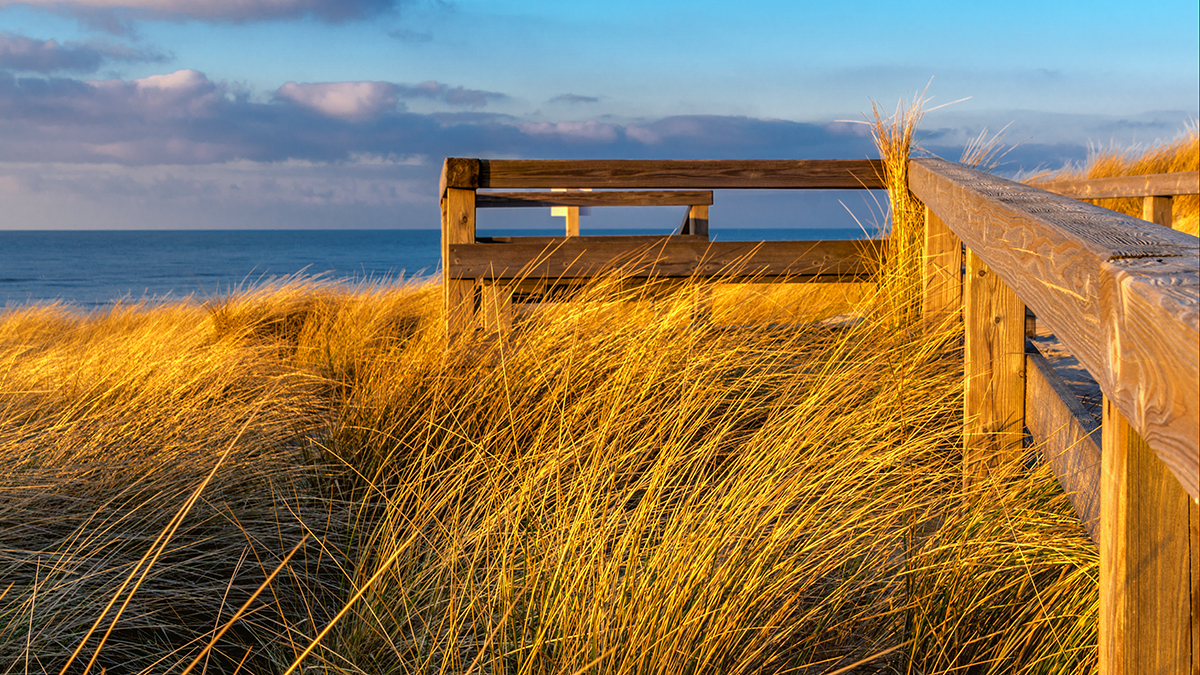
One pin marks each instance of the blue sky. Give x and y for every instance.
(337, 113)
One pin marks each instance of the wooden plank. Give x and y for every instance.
(572, 221)
(1194, 555)
(994, 366)
(1060, 425)
(941, 278)
(822, 174)
(629, 239)
(459, 172)
(1157, 210)
(696, 221)
(560, 290)
(1146, 612)
(498, 200)
(458, 227)
(1149, 185)
(1122, 294)
(497, 309)
(579, 257)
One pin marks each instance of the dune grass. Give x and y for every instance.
(1179, 154)
(303, 478)
(610, 489)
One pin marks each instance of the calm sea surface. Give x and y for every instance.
(92, 269)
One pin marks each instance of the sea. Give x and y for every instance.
(90, 270)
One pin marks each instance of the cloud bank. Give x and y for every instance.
(179, 149)
(21, 53)
(232, 11)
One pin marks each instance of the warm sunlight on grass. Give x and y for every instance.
(1180, 154)
(602, 490)
(302, 477)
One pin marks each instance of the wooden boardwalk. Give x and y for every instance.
(1119, 295)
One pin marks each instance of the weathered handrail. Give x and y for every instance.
(1124, 296)
(489, 274)
(1148, 185)
(740, 174)
(1156, 191)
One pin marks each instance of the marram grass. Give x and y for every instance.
(611, 488)
(302, 478)
(1179, 154)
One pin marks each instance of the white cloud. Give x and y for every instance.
(591, 130)
(351, 101)
(183, 93)
(21, 53)
(642, 135)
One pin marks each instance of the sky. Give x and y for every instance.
(214, 114)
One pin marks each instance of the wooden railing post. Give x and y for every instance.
(1157, 210)
(458, 227)
(1148, 559)
(941, 276)
(994, 366)
(697, 224)
(496, 299)
(697, 221)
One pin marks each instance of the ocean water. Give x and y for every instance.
(91, 269)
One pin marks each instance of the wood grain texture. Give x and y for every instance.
(1058, 423)
(499, 200)
(994, 369)
(1157, 210)
(459, 172)
(1121, 293)
(941, 278)
(579, 257)
(823, 174)
(458, 227)
(1145, 555)
(1156, 184)
(1194, 556)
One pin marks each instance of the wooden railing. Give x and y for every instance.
(1155, 190)
(1122, 294)
(483, 277)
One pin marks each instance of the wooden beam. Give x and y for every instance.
(696, 221)
(458, 228)
(1067, 436)
(1122, 294)
(459, 172)
(499, 200)
(1157, 210)
(622, 239)
(941, 278)
(1146, 548)
(821, 174)
(1149, 185)
(994, 366)
(581, 257)
(572, 221)
(497, 309)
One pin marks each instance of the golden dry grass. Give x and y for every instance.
(612, 488)
(1179, 154)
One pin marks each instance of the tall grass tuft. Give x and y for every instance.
(894, 135)
(1179, 154)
